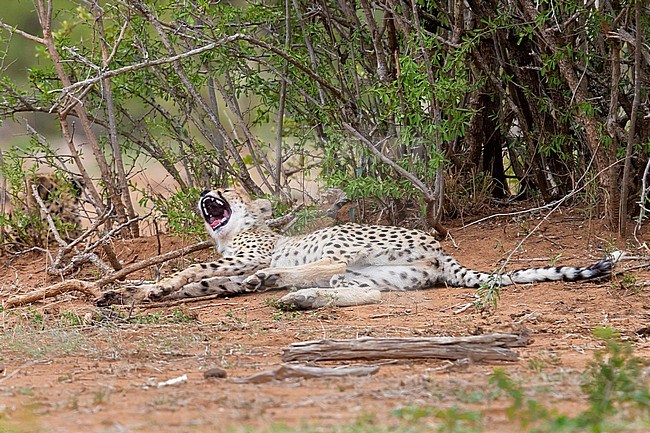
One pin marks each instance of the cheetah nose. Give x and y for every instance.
(204, 192)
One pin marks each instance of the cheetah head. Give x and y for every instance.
(229, 211)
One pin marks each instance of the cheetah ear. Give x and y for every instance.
(43, 183)
(241, 192)
(78, 184)
(262, 208)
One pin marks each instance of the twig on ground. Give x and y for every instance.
(633, 268)
(532, 259)
(464, 307)
(54, 290)
(287, 371)
(556, 244)
(220, 304)
(183, 301)
(384, 315)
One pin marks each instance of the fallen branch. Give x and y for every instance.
(126, 270)
(286, 371)
(54, 290)
(492, 347)
(94, 288)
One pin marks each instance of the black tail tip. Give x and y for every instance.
(602, 267)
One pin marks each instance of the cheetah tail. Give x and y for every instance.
(460, 276)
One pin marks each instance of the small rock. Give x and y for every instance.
(88, 319)
(214, 373)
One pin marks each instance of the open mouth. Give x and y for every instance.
(215, 211)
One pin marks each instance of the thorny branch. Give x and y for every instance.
(26, 35)
(146, 64)
(87, 254)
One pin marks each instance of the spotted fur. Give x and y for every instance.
(25, 224)
(342, 265)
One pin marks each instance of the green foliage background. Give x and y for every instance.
(387, 100)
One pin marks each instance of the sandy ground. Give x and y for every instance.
(59, 375)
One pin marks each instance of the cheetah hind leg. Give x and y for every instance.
(347, 294)
(364, 285)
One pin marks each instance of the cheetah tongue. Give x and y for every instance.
(218, 222)
(215, 223)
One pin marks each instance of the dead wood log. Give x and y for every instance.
(491, 347)
(52, 291)
(286, 371)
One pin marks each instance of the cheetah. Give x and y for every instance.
(338, 266)
(24, 222)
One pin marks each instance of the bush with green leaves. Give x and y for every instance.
(616, 386)
(383, 99)
(178, 211)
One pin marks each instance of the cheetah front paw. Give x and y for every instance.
(253, 283)
(110, 297)
(262, 280)
(153, 292)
